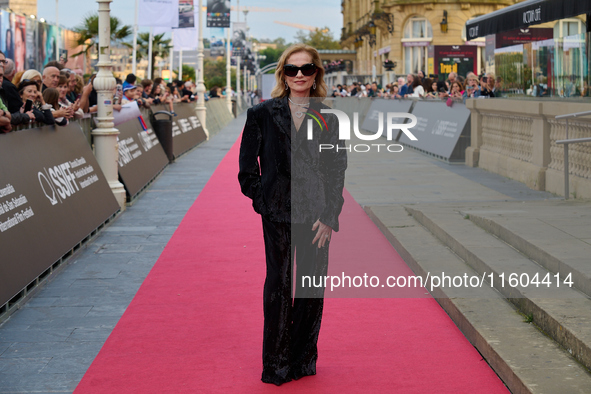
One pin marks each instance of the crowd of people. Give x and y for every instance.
(420, 86)
(57, 94)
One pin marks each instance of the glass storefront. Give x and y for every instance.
(557, 67)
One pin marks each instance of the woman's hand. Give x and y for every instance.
(69, 112)
(39, 98)
(76, 105)
(323, 234)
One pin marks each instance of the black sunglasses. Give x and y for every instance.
(307, 69)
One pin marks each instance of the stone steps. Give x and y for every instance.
(529, 358)
(547, 245)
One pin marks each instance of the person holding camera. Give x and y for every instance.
(484, 88)
(34, 109)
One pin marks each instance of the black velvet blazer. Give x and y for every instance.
(295, 183)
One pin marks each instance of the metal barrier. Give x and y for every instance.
(566, 142)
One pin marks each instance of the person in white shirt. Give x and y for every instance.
(417, 89)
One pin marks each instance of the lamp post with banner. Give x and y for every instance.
(228, 78)
(105, 135)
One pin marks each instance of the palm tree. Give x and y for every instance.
(88, 32)
(160, 48)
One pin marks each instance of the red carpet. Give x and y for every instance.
(195, 325)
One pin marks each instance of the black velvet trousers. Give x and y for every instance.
(291, 324)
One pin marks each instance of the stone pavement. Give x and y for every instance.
(48, 344)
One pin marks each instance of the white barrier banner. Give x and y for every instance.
(128, 112)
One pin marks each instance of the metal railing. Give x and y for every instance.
(566, 143)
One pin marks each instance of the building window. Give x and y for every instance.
(418, 34)
(568, 27)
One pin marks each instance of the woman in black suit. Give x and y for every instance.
(298, 191)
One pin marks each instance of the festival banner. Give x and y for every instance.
(239, 39)
(20, 39)
(6, 37)
(186, 14)
(218, 13)
(31, 56)
(216, 42)
(63, 49)
(185, 39)
(51, 38)
(41, 39)
(162, 13)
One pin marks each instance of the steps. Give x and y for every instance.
(551, 355)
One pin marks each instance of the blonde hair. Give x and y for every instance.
(31, 74)
(79, 84)
(17, 78)
(279, 89)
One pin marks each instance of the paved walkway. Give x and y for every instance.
(49, 344)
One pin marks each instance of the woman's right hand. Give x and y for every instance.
(39, 98)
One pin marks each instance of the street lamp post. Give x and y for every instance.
(228, 79)
(134, 55)
(237, 78)
(150, 65)
(57, 23)
(105, 135)
(200, 108)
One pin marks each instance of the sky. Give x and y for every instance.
(316, 13)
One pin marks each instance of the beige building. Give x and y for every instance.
(404, 31)
(27, 7)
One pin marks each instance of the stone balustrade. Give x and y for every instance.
(517, 138)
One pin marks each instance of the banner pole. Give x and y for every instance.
(228, 79)
(200, 109)
(180, 77)
(134, 55)
(171, 54)
(150, 53)
(237, 78)
(57, 23)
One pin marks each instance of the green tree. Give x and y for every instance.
(188, 73)
(319, 39)
(88, 35)
(273, 54)
(214, 74)
(160, 48)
